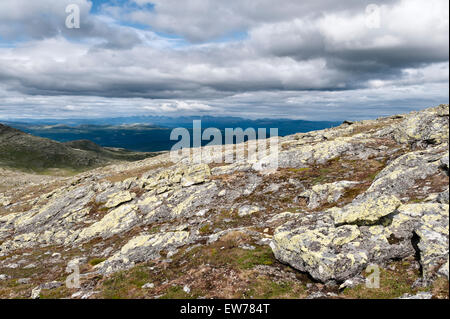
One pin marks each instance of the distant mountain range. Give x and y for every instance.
(171, 122)
(151, 133)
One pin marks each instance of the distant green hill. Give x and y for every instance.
(110, 152)
(23, 151)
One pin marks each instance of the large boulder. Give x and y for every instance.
(332, 252)
(376, 227)
(426, 127)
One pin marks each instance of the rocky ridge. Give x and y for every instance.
(366, 193)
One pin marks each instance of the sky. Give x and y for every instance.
(313, 60)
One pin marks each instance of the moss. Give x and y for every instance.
(155, 229)
(205, 229)
(96, 261)
(259, 256)
(416, 201)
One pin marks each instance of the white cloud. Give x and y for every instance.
(177, 106)
(295, 55)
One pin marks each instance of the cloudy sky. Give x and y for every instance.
(321, 59)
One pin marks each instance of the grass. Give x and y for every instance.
(298, 170)
(176, 292)
(61, 172)
(228, 254)
(138, 172)
(207, 268)
(265, 288)
(227, 219)
(97, 207)
(440, 288)
(116, 287)
(251, 258)
(58, 293)
(393, 283)
(126, 284)
(221, 255)
(39, 274)
(47, 157)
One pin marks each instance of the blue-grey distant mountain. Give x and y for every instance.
(151, 133)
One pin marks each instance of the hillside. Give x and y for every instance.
(110, 152)
(374, 192)
(20, 150)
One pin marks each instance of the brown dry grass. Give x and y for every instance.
(136, 172)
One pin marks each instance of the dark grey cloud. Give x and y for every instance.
(296, 58)
(22, 20)
(203, 20)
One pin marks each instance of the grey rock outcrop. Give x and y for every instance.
(340, 200)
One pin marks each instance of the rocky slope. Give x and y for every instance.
(20, 150)
(365, 193)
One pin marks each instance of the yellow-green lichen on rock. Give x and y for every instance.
(143, 248)
(116, 199)
(182, 175)
(430, 125)
(247, 210)
(326, 253)
(366, 211)
(116, 221)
